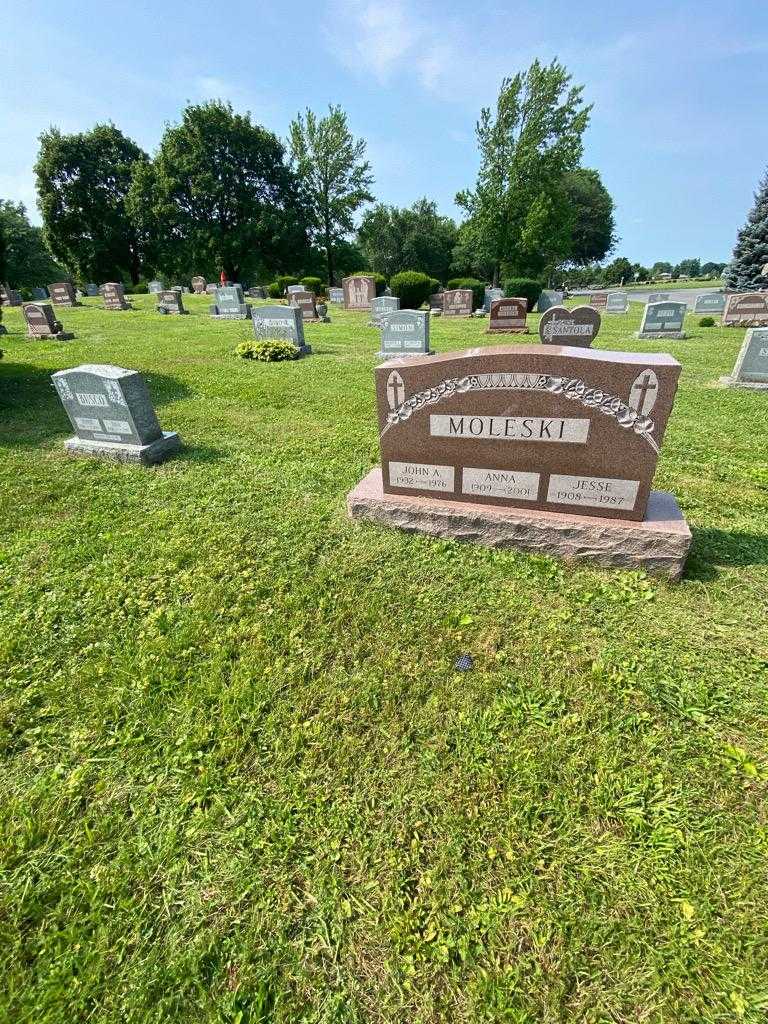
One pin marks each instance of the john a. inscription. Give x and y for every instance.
(544, 427)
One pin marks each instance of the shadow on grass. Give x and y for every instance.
(713, 549)
(30, 410)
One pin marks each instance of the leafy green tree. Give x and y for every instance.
(3, 249)
(640, 273)
(519, 205)
(661, 267)
(335, 176)
(82, 183)
(593, 227)
(620, 270)
(219, 195)
(692, 268)
(471, 256)
(416, 238)
(27, 260)
(750, 254)
(712, 269)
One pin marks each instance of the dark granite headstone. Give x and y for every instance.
(9, 296)
(62, 293)
(508, 316)
(41, 323)
(746, 309)
(92, 290)
(280, 323)
(658, 297)
(113, 296)
(457, 302)
(574, 327)
(112, 414)
(663, 320)
(40, 294)
(405, 332)
(257, 292)
(305, 301)
(170, 302)
(436, 301)
(230, 303)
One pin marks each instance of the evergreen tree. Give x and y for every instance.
(750, 255)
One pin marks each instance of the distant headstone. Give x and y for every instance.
(62, 293)
(617, 302)
(113, 296)
(3, 329)
(714, 303)
(39, 294)
(305, 301)
(508, 316)
(170, 302)
(9, 296)
(211, 289)
(746, 309)
(659, 297)
(405, 332)
(41, 323)
(576, 327)
(598, 300)
(291, 288)
(230, 303)
(199, 285)
(457, 302)
(491, 294)
(257, 292)
(359, 292)
(751, 369)
(112, 414)
(663, 320)
(280, 323)
(436, 301)
(381, 307)
(549, 298)
(154, 287)
(336, 295)
(92, 290)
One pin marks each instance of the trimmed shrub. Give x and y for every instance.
(142, 288)
(412, 288)
(523, 288)
(313, 284)
(381, 281)
(274, 291)
(478, 288)
(284, 280)
(707, 321)
(267, 351)
(434, 285)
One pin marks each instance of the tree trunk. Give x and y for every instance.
(135, 266)
(329, 255)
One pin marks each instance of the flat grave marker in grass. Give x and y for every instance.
(457, 302)
(113, 296)
(562, 326)
(405, 332)
(746, 309)
(709, 303)
(751, 367)
(62, 293)
(280, 323)
(663, 320)
(230, 303)
(113, 416)
(578, 455)
(508, 316)
(359, 292)
(41, 323)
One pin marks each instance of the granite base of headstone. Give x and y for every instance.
(550, 450)
(41, 323)
(663, 320)
(280, 323)
(113, 416)
(230, 303)
(751, 368)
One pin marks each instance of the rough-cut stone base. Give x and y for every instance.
(113, 451)
(61, 336)
(402, 355)
(507, 330)
(659, 544)
(650, 335)
(751, 385)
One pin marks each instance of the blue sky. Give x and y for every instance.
(679, 130)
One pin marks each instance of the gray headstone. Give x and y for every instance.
(381, 306)
(155, 286)
(40, 294)
(295, 288)
(549, 298)
(62, 293)
(230, 303)
(491, 295)
(170, 302)
(112, 414)
(336, 295)
(257, 292)
(714, 303)
(617, 302)
(659, 297)
(751, 368)
(211, 289)
(663, 320)
(279, 323)
(92, 290)
(9, 296)
(405, 332)
(41, 323)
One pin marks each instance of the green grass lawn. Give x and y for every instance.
(242, 782)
